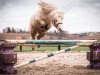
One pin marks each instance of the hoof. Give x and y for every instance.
(39, 46)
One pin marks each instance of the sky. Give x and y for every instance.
(79, 15)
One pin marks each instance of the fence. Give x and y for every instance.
(8, 58)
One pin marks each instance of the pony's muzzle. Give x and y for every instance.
(59, 27)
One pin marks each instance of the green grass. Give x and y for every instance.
(25, 48)
(98, 40)
(37, 49)
(86, 49)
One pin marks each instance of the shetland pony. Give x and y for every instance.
(48, 15)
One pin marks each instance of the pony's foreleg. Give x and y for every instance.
(33, 37)
(41, 21)
(33, 45)
(40, 36)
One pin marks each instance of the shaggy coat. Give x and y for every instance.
(46, 16)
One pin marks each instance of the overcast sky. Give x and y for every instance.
(80, 15)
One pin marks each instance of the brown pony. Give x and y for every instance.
(48, 15)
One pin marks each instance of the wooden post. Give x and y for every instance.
(59, 47)
(20, 48)
(33, 46)
(7, 58)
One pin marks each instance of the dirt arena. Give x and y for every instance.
(69, 63)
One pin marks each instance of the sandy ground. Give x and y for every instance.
(69, 63)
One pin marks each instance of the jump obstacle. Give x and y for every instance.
(67, 42)
(8, 58)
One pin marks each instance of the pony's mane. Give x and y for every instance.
(48, 7)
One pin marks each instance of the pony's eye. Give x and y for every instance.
(55, 20)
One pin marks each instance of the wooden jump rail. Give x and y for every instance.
(7, 52)
(39, 42)
(31, 43)
(48, 55)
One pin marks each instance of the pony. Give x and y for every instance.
(47, 16)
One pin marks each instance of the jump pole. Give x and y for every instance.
(66, 42)
(47, 56)
(56, 53)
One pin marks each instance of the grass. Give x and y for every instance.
(98, 40)
(86, 49)
(36, 49)
(25, 48)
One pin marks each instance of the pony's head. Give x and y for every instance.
(55, 15)
(56, 18)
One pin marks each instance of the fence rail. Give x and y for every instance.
(32, 43)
